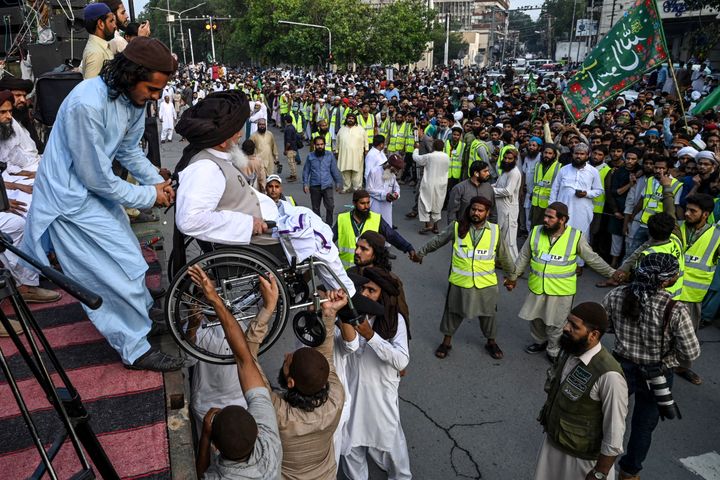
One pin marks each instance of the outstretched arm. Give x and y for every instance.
(248, 370)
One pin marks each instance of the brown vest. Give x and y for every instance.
(238, 196)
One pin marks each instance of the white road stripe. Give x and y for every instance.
(706, 465)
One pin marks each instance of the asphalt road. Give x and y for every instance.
(469, 416)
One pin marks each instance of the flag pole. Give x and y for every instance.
(677, 89)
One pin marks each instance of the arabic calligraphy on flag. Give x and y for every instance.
(635, 45)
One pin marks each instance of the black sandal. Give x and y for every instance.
(443, 350)
(494, 351)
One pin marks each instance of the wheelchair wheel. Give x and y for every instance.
(193, 249)
(235, 271)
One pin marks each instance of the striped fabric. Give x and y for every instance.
(127, 407)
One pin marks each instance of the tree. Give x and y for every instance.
(526, 26)
(457, 48)
(402, 31)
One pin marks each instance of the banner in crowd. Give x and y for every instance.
(635, 45)
(710, 102)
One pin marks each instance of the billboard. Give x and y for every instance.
(586, 27)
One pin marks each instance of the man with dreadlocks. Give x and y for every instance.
(653, 333)
(78, 201)
(373, 378)
(472, 289)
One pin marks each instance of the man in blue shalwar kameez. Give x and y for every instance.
(78, 203)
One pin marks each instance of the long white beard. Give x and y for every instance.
(238, 157)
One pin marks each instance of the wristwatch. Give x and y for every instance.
(599, 475)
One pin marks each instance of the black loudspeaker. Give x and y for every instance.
(50, 91)
(11, 15)
(64, 28)
(50, 56)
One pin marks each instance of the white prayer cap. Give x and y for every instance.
(698, 143)
(695, 96)
(687, 151)
(274, 177)
(471, 97)
(458, 116)
(499, 125)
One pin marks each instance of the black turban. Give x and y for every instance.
(14, 83)
(211, 121)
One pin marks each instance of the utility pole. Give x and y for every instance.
(192, 51)
(447, 38)
(550, 38)
(491, 45)
(572, 32)
(212, 33)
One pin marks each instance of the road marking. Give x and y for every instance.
(706, 465)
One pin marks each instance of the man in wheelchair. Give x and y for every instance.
(215, 203)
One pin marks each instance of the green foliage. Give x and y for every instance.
(397, 33)
(523, 23)
(457, 45)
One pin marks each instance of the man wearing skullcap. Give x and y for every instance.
(472, 290)
(352, 147)
(100, 23)
(20, 89)
(373, 381)
(653, 335)
(78, 201)
(706, 179)
(383, 187)
(552, 251)
(576, 186)
(240, 419)
(584, 414)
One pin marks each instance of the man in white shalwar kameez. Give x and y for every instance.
(376, 156)
(592, 394)
(259, 112)
(507, 196)
(352, 145)
(433, 185)
(373, 372)
(576, 185)
(78, 201)
(383, 187)
(167, 115)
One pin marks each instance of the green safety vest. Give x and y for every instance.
(343, 112)
(552, 267)
(501, 155)
(383, 129)
(328, 140)
(599, 201)
(652, 199)
(572, 419)
(474, 265)
(409, 138)
(284, 105)
(368, 125)
(456, 156)
(699, 263)
(290, 200)
(307, 110)
(542, 184)
(347, 241)
(474, 146)
(396, 137)
(297, 121)
(673, 247)
(322, 115)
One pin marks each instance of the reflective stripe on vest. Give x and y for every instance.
(474, 146)
(290, 200)
(455, 155)
(284, 105)
(296, 121)
(599, 201)
(474, 265)
(542, 184)
(699, 264)
(396, 140)
(652, 199)
(347, 241)
(368, 125)
(672, 247)
(552, 267)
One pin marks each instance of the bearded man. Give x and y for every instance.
(478, 185)
(265, 147)
(78, 201)
(352, 146)
(100, 24)
(20, 89)
(383, 187)
(529, 163)
(507, 193)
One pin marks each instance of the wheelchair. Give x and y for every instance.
(236, 272)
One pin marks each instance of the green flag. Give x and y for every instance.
(711, 101)
(531, 85)
(635, 45)
(495, 88)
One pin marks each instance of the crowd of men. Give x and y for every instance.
(630, 192)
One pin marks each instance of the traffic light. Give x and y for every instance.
(209, 26)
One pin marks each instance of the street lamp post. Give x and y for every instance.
(182, 32)
(212, 21)
(312, 25)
